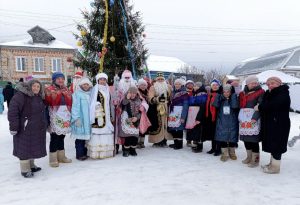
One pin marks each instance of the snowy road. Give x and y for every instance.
(156, 176)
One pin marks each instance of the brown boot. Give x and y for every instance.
(274, 168)
(232, 154)
(225, 155)
(53, 162)
(248, 158)
(254, 160)
(62, 157)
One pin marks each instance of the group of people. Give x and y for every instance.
(102, 118)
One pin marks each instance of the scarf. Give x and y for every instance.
(249, 95)
(209, 107)
(54, 95)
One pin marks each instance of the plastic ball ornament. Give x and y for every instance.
(99, 54)
(112, 39)
(83, 32)
(104, 50)
(79, 43)
(144, 35)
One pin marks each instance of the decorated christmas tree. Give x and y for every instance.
(111, 39)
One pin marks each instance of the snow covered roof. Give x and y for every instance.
(272, 61)
(262, 77)
(56, 44)
(232, 77)
(165, 64)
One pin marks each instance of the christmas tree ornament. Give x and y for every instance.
(144, 35)
(83, 32)
(79, 43)
(104, 50)
(100, 54)
(112, 39)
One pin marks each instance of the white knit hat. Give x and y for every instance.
(251, 79)
(85, 81)
(142, 82)
(101, 75)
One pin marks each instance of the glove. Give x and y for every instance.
(13, 132)
(78, 123)
(162, 98)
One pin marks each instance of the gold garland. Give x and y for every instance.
(104, 37)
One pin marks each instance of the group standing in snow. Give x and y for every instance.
(102, 119)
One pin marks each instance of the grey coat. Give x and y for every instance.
(227, 128)
(26, 115)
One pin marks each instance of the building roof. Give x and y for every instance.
(56, 44)
(273, 61)
(40, 39)
(165, 64)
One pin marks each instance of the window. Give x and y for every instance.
(56, 64)
(38, 64)
(20, 63)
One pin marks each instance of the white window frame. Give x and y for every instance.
(23, 67)
(39, 65)
(56, 59)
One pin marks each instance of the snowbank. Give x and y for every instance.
(155, 176)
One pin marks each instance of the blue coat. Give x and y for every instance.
(80, 110)
(1, 101)
(180, 101)
(227, 128)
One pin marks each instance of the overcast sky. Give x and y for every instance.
(207, 34)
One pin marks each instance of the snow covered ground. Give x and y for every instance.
(155, 176)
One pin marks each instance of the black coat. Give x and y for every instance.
(8, 92)
(276, 124)
(26, 115)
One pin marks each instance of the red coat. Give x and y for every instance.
(54, 95)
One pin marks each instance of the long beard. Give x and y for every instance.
(124, 86)
(75, 83)
(161, 88)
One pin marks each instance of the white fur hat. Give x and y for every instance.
(85, 81)
(251, 79)
(101, 75)
(142, 82)
(180, 80)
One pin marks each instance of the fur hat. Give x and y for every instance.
(57, 75)
(126, 74)
(179, 80)
(227, 87)
(78, 74)
(142, 82)
(251, 79)
(198, 84)
(133, 89)
(189, 81)
(101, 75)
(276, 79)
(160, 75)
(85, 81)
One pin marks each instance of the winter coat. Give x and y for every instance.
(130, 109)
(227, 128)
(180, 98)
(249, 99)
(81, 110)
(276, 124)
(26, 115)
(1, 101)
(8, 93)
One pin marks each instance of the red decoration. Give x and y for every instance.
(100, 54)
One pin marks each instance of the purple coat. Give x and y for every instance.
(26, 115)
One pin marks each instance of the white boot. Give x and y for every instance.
(25, 168)
(267, 165)
(248, 158)
(254, 160)
(274, 168)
